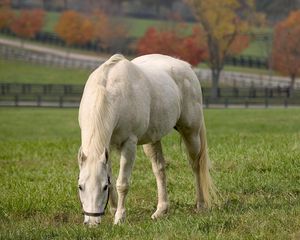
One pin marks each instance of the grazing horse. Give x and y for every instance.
(129, 103)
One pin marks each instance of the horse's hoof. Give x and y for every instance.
(160, 212)
(200, 207)
(119, 217)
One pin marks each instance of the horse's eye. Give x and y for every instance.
(105, 187)
(80, 187)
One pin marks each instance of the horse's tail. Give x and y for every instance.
(105, 67)
(206, 184)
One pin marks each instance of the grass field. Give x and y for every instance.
(32, 73)
(256, 163)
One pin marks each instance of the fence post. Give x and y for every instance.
(207, 102)
(266, 102)
(17, 100)
(226, 102)
(61, 101)
(39, 100)
(45, 89)
(266, 92)
(246, 103)
(285, 103)
(288, 92)
(2, 89)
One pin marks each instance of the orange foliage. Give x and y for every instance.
(28, 23)
(239, 43)
(189, 48)
(74, 28)
(6, 14)
(286, 46)
(106, 31)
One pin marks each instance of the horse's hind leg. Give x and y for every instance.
(200, 165)
(154, 152)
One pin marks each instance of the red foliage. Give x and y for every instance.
(5, 3)
(74, 28)
(286, 46)
(28, 23)
(240, 43)
(189, 48)
(6, 14)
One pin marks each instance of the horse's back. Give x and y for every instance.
(179, 71)
(187, 83)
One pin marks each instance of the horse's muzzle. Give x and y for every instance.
(92, 221)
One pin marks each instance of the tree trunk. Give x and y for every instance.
(292, 84)
(215, 76)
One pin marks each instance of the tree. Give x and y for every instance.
(107, 32)
(28, 23)
(74, 28)
(6, 14)
(224, 23)
(170, 42)
(286, 47)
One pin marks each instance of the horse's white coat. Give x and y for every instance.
(126, 103)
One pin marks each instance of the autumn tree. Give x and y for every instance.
(106, 31)
(169, 42)
(74, 28)
(28, 23)
(6, 14)
(224, 23)
(286, 47)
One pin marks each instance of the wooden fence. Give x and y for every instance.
(64, 95)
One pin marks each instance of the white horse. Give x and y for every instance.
(129, 103)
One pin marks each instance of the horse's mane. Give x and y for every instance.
(101, 114)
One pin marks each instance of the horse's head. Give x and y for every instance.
(93, 184)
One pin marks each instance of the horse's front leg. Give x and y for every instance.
(128, 152)
(154, 152)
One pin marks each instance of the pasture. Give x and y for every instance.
(256, 160)
(32, 73)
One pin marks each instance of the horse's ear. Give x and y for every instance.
(81, 157)
(104, 156)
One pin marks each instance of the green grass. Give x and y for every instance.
(255, 156)
(137, 26)
(50, 21)
(257, 48)
(12, 71)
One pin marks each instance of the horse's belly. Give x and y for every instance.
(164, 115)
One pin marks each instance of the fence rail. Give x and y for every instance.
(66, 95)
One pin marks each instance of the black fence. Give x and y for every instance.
(64, 95)
(48, 95)
(247, 61)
